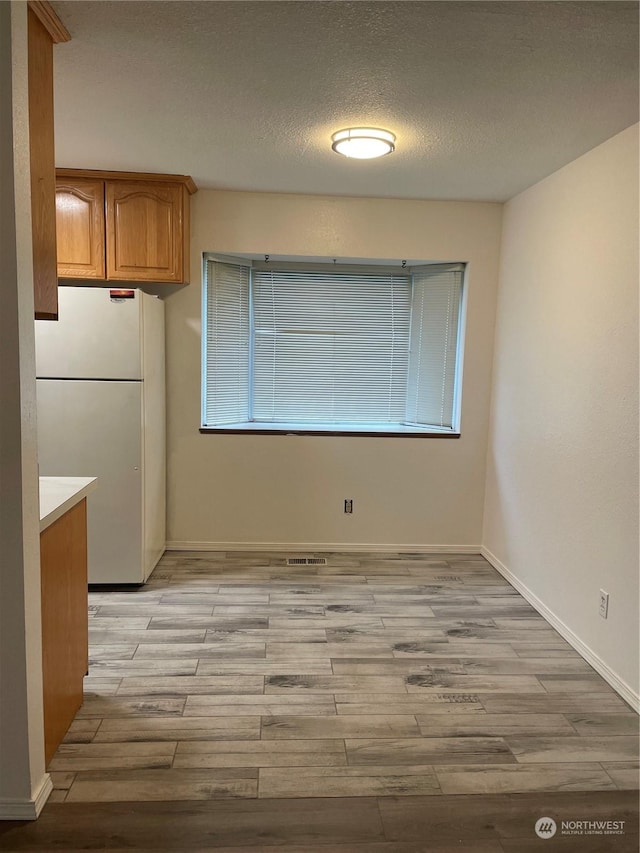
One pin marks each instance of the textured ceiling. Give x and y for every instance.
(486, 98)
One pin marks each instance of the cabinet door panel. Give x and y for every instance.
(80, 228)
(144, 231)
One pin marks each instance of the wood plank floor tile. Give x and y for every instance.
(545, 750)
(399, 622)
(124, 623)
(122, 651)
(334, 683)
(57, 796)
(360, 621)
(497, 600)
(177, 728)
(428, 596)
(531, 623)
(394, 703)
(208, 598)
(394, 666)
(96, 763)
(81, 731)
(300, 591)
(552, 703)
(101, 685)
(99, 635)
(118, 748)
(141, 596)
(625, 774)
(521, 666)
(451, 647)
(240, 649)
(173, 611)
(144, 667)
(118, 706)
(287, 651)
(224, 623)
(605, 724)
(294, 753)
(174, 784)
(347, 781)
(469, 629)
(436, 750)
(313, 704)
(381, 610)
(511, 778)
(440, 683)
(180, 685)
(356, 634)
(366, 726)
(272, 635)
(61, 779)
(575, 683)
(462, 611)
(323, 597)
(490, 725)
(270, 668)
(257, 610)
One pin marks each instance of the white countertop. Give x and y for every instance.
(60, 494)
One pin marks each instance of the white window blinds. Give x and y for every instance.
(226, 344)
(434, 345)
(330, 348)
(325, 347)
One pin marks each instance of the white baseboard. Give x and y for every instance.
(13, 809)
(341, 547)
(611, 677)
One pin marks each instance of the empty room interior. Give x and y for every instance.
(319, 461)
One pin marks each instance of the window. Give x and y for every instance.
(327, 348)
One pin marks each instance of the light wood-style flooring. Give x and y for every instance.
(372, 691)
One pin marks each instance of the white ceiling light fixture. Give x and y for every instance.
(363, 143)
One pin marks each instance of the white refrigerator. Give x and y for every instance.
(101, 413)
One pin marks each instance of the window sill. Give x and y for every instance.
(359, 431)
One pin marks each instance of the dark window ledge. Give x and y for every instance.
(254, 430)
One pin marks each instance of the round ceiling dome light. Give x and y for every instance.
(363, 143)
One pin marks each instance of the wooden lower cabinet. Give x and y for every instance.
(65, 623)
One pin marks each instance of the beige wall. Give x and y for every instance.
(252, 490)
(561, 512)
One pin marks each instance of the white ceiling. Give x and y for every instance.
(486, 98)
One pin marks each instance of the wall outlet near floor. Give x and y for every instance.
(348, 506)
(604, 604)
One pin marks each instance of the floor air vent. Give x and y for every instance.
(306, 561)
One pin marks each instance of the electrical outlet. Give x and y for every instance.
(604, 604)
(348, 506)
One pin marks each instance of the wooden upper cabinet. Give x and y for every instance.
(80, 228)
(123, 226)
(144, 231)
(44, 28)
